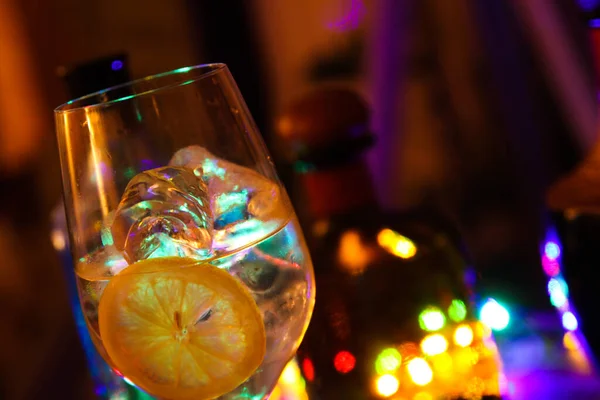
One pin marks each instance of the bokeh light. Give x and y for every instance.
(434, 344)
(291, 384)
(344, 362)
(409, 350)
(396, 244)
(308, 369)
(558, 291)
(551, 267)
(443, 366)
(464, 359)
(290, 374)
(58, 240)
(432, 319)
(387, 385)
(116, 65)
(494, 315)
(353, 253)
(388, 360)
(420, 372)
(569, 321)
(119, 395)
(552, 250)
(423, 396)
(571, 342)
(457, 311)
(463, 336)
(481, 330)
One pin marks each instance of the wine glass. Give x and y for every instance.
(191, 268)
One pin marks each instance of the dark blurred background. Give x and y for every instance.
(478, 107)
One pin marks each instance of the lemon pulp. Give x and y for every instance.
(181, 329)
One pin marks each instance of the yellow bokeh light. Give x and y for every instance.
(276, 393)
(420, 372)
(290, 374)
(291, 384)
(396, 244)
(434, 344)
(443, 366)
(353, 254)
(58, 240)
(320, 228)
(464, 359)
(387, 385)
(423, 396)
(570, 341)
(463, 336)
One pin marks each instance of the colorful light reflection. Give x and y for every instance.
(557, 287)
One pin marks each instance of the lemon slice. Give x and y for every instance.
(181, 330)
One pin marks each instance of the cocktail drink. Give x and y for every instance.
(192, 271)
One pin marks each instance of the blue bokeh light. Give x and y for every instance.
(116, 65)
(559, 292)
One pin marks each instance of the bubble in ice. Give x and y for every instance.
(164, 212)
(245, 204)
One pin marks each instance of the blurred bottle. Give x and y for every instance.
(82, 80)
(395, 307)
(575, 200)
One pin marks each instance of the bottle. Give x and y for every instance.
(394, 314)
(574, 200)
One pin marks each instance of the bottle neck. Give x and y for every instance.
(338, 190)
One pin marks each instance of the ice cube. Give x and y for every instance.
(164, 212)
(245, 204)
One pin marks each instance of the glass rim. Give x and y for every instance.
(72, 105)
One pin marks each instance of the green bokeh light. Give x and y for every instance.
(457, 310)
(129, 172)
(432, 319)
(388, 360)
